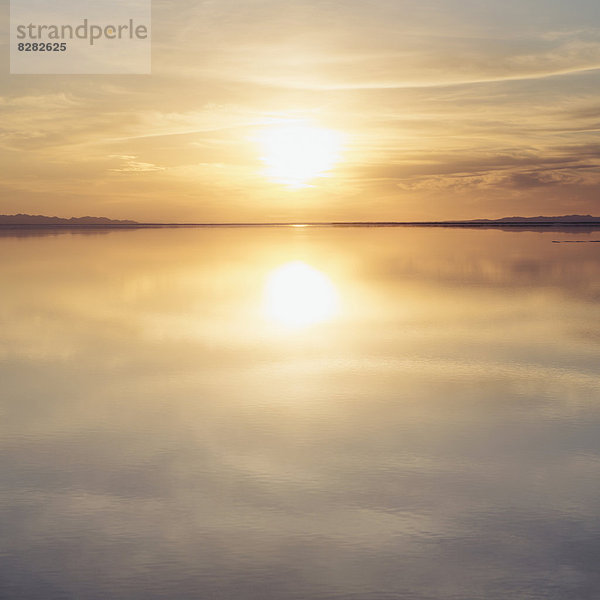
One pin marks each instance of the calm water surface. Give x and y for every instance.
(301, 413)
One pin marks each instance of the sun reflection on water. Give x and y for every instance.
(297, 295)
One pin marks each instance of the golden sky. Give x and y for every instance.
(273, 110)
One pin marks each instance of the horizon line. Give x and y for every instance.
(299, 224)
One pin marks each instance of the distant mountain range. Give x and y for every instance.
(41, 220)
(22, 219)
(562, 219)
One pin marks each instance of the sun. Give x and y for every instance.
(297, 295)
(296, 153)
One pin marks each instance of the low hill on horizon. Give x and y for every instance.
(24, 219)
(540, 219)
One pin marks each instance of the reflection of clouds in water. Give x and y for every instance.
(506, 272)
(410, 481)
(449, 449)
(491, 259)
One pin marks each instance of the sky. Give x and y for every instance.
(319, 110)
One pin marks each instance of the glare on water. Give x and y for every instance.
(297, 294)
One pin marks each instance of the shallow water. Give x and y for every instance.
(300, 413)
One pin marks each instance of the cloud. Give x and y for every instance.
(131, 165)
(349, 46)
(433, 97)
(518, 180)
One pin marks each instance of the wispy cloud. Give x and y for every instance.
(130, 164)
